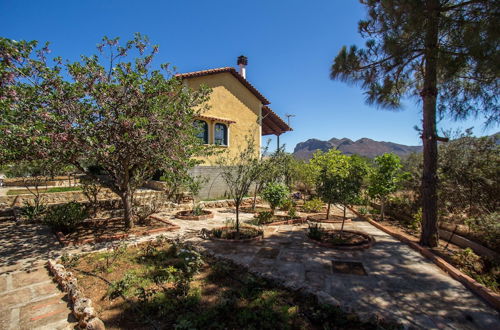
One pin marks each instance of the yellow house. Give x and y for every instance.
(237, 110)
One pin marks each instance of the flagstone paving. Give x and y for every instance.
(399, 283)
(29, 299)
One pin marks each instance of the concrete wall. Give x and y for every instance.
(233, 101)
(215, 187)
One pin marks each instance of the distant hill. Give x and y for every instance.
(363, 147)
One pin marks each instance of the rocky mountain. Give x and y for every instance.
(363, 147)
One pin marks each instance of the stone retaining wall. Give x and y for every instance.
(81, 306)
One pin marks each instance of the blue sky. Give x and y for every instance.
(290, 46)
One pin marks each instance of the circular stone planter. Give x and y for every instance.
(187, 215)
(285, 221)
(366, 242)
(321, 217)
(250, 239)
(256, 211)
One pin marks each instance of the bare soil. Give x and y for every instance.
(104, 228)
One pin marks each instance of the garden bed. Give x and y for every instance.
(189, 215)
(158, 285)
(101, 230)
(345, 240)
(255, 210)
(277, 219)
(229, 234)
(321, 217)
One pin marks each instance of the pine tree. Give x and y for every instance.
(442, 53)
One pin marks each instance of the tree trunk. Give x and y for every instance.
(254, 203)
(429, 236)
(237, 216)
(328, 212)
(382, 208)
(127, 206)
(343, 221)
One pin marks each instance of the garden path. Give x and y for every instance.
(399, 283)
(29, 299)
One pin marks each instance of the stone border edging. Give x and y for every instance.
(66, 242)
(286, 222)
(81, 306)
(207, 215)
(486, 294)
(367, 245)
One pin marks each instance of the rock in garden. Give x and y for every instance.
(95, 324)
(80, 305)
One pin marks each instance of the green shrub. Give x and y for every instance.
(315, 231)
(287, 204)
(264, 217)
(292, 213)
(65, 217)
(363, 210)
(487, 228)
(315, 205)
(33, 212)
(197, 210)
(468, 260)
(275, 194)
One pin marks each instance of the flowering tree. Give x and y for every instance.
(109, 109)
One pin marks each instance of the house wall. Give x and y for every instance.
(215, 187)
(231, 100)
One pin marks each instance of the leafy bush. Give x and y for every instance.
(287, 204)
(264, 217)
(314, 205)
(33, 212)
(275, 194)
(487, 227)
(65, 217)
(148, 205)
(292, 213)
(315, 231)
(468, 260)
(363, 210)
(197, 210)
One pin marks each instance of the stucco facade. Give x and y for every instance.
(236, 107)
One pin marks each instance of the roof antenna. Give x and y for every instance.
(288, 118)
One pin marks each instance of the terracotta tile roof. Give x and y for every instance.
(222, 120)
(272, 123)
(230, 70)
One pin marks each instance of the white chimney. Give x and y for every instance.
(242, 63)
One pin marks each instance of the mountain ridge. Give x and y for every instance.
(363, 147)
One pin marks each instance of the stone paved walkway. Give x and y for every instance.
(29, 299)
(399, 282)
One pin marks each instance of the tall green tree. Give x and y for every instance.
(385, 178)
(339, 178)
(444, 54)
(111, 109)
